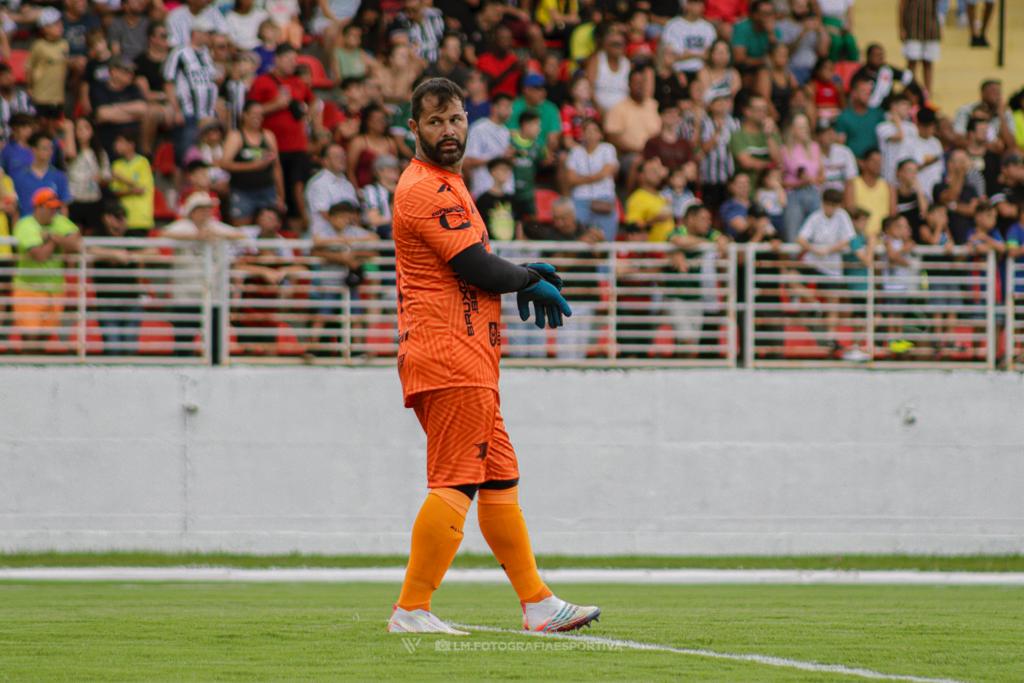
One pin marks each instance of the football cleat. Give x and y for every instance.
(553, 615)
(419, 621)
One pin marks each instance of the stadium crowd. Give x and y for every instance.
(688, 122)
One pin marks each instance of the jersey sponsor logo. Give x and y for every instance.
(452, 218)
(469, 305)
(494, 334)
(445, 187)
(482, 450)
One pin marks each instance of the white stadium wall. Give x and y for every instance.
(670, 462)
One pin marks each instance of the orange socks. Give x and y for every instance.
(436, 536)
(503, 526)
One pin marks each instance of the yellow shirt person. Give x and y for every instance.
(133, 184)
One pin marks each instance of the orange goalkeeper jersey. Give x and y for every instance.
(449, 332)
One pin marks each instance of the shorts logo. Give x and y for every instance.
(445, 187)
(483, 450)
(494, 334)
(459, 222)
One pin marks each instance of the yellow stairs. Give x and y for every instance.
(960, 68)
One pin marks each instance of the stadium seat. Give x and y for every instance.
(161, 210)
(316, 68)
(845, 71)
(156, 338)
(545, 201)
(163, 159)
(17, 61)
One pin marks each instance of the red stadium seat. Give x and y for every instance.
(163, 160)
(161, 209)
(316, 68)
(17, 61)
(845, 71)
(545, 201)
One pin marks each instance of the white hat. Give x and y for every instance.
(195, 201)
(48, 16)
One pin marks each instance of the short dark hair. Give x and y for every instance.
(349, 81)
(195, 165)
(903, 162)
(283, 49)
(527, 117)
(990, 81)
(441, 89)
(984, 206)
(263, 209)
(154, 27)
(889, 220)
(21, 119)
(926, 116)
(36, 138)
(974, 121)
(693, 209)
(498, 161)
(127, 137)
(342, 206)
(857, 213)
(501, 97)
(832, 196)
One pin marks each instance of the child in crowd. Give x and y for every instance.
(771, 197)
(826, 90)
(17, 155)
(943, 295)
(677, 190)
(211, 150)
(197, 179)
(46, 71)
(376, 198)
(270, 38)
(499, 209)
(133, 184)
(529, 153)
(898, 279)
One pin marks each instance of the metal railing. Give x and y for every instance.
(635, 304)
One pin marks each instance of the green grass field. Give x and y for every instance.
(322, 632)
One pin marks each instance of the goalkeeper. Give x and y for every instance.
(449, 332)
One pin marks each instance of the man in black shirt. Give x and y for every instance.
(149, 78)
(118, 105)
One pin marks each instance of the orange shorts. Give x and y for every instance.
(36, 310)
(466, 438)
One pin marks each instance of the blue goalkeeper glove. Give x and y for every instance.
(548, 304)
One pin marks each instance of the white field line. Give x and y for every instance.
(555, 576)
(765, 660)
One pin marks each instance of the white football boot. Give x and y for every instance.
(419, 621)
(553, 614)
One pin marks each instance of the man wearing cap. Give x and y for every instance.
(534, 99)
(182, 19)
(190, 85)
(44, 235)
(39, 174)
(46, 71)
(118, 105)
(198, 229)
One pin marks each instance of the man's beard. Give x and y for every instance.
(448, 156)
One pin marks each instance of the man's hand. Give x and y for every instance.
(548, 304)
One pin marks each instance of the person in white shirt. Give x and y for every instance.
(180, 19)
(896, 136)
(487, 140)
(244, 24)
(687, 39)
(928, 153)
(824, 236)
(839, 163)
(591, 169)
(327, 188)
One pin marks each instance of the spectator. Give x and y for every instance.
(235, 90)
(984, 237)
(478, 103)
(983, 159)
(881, 76)
(396, 75)
(79, 22)
(181, 21)
(497, 206)
(189, 84)
(771, 196)
(377, 198)
(285, 14)
(687, 39)
(17, 154)
(979, 29)
(590, 172)
(488, 139)
(39, 174)
(129, 33)
(350, 60)
(13, 100)
(872, 193)
(674, 150)
(646, 208)
(859, 120)
(609, 71)
(898, 278)
(424, 26)
(119, 106)
(286, 101)
(557, 19)
(251, 158)
(243, 24)
(44, 236)
(942, 293)
(718, 77)
(991, 107)
(556, 78)
(133, 184)
(927, 152)
(804, 33)
(921, 33)
(373, 141)
(896, 136)
(500, 65)
(1009, 195)
(742, 220)
(678, 192)
(756, 145)
(327, 188)
(529, 153)
(149, 79)
(88, 173)
(633, 121)
(857, 259)
(753, 37)
(803, 175)
(960, 191)
(838, 162)
(825, 91)
(824, 236)
(534, 100)
(449, 62)
(578, 109)
(911, 201)
(783, 83)
(331, 15)
(716, 162)
(46, 70)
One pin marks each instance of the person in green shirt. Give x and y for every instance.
(534, 99)
(43, 238)
(753, 37)
(858, 121)
(528, 154)
(756, 146)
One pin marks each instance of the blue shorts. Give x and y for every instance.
(245, 203)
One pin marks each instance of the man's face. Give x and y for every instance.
(876, 57)
(862, 93)
(534, 96)
(44, 214)
(136, 6)
(269, 222)
(355, 96)
(201, 215)
(907, 174)
(6, 80)
(694, 9)
(503, 39)
(115, 224)
(563, 219)
(451, 49)
(829, 209)
(636, 86)
(763, 15)
(757, 110)
(992, 94)
(741, 186)
(670, 118)
(76, 6)
(120, 78)
(43, 152)
(502, 110)
(985, 220)
(699, 223)
(196, 6)
(441, 131)
(334, 159)
(901, 109)
(980, 132)
(412, 7)
(873, 163)
(654, 172)
(285, 62)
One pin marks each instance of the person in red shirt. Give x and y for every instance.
(449, 345)
(287, 102)
(724, 13)
(501, 66)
